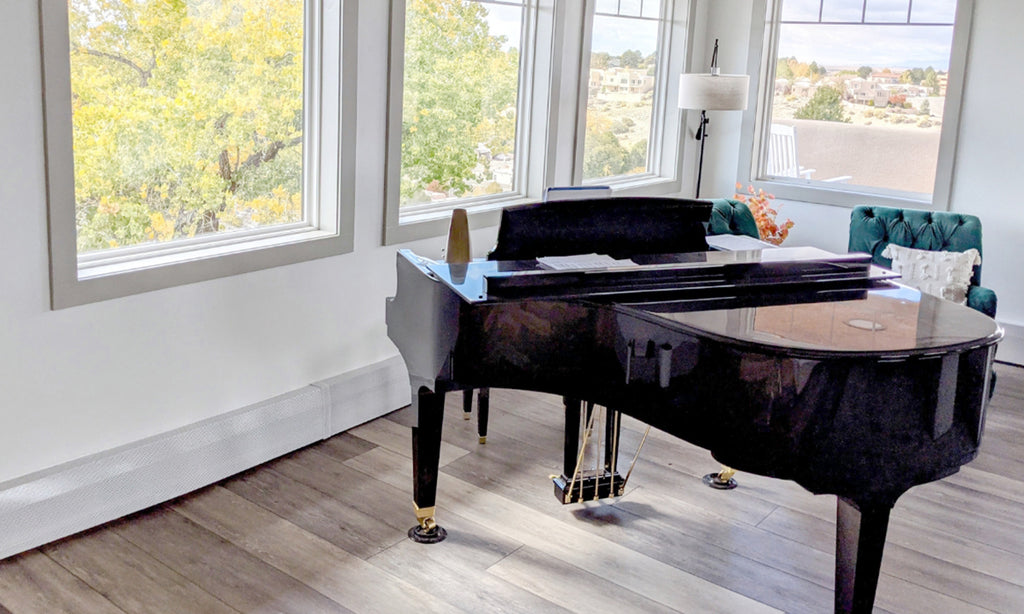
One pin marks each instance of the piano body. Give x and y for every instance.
(791, 363)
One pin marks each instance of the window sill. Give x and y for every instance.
(819, 193)
(430, 224)
(116, 277)
(102, 264)
(641, 185)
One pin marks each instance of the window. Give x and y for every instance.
(460, 88)
(194, 139)
(491, 101)
(622, 81)
(859, 100)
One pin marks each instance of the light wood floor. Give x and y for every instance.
(324, 530)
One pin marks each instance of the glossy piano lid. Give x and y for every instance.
(897, 320)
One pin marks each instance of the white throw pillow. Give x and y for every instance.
(943, 274)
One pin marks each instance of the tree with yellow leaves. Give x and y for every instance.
(187, 117)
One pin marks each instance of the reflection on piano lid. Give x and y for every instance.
(896, 320)
(879, 322)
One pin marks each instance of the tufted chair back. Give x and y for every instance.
(873, 228)
(731, 217)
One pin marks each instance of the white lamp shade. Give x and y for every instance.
(713, 92)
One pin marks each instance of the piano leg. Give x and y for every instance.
(483, 406)
(426, 456)
(573, 407)
(860, 539)
(483, 402)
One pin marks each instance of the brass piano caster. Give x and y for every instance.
(722, 480)
(427, 531)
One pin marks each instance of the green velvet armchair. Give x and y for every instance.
(731, 217)
(873, 228)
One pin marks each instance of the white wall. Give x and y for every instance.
(987, 169)
(83, 380)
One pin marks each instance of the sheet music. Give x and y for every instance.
(736, 243)
(582, 261)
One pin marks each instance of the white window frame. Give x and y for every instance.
(754, 143)
(328, 182)
(552, 103)
(664, 147)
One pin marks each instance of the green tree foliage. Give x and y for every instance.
(631, 58)
(187, 117)
(865, 71)
(792, 68)
(782, 69)
(606, 156)
(459, 91)
(931, 80)
(825, 105)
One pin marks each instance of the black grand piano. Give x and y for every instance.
(791, 362)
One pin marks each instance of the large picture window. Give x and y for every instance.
(621, 84)
(492, 101)
(460, 88)
(861, 97)
(182, 131)
(187, 117)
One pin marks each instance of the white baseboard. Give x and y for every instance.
(1011, 348)
(60, 501)
(359, 396)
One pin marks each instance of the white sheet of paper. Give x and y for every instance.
(582, 261)
(737, 243)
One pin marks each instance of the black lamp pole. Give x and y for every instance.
(702, 133)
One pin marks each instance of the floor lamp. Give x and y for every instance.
(711, 92)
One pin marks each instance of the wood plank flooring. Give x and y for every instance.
(324, 530)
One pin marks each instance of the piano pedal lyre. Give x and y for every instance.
(602, 480)
(723, 480)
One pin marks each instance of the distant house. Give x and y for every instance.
(630, 80)
(866, 91)
(802, 87)
(885, 76)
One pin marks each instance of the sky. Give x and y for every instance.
(839, 46)
(834, 46)
(609, 34)
(878, 46)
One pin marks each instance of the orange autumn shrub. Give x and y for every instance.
(759, 203)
